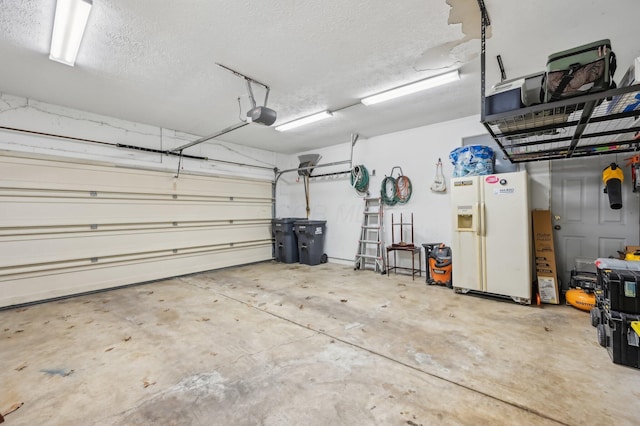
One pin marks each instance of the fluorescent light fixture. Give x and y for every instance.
(68, 28)
(407, 89)
(304, 120)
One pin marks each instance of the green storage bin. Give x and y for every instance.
(585, 69)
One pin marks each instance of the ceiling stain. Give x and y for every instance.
(458, 52)
(467, 13)
(437, 58)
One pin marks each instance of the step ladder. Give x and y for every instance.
(371, 242)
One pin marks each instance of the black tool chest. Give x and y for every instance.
(617, 315)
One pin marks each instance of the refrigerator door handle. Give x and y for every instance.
(477, 224)
(483, 222)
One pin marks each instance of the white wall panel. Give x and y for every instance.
(333, 199)
(69, 227)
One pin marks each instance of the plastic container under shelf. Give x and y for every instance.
(472, 160)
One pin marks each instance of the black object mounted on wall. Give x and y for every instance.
(612, 176)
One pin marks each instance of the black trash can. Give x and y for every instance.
(286, 245)
(311, 241)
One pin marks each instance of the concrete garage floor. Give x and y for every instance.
(279, 344)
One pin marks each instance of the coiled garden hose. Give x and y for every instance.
(396, 190)
(360, 178)
(388, 191)
(403, 189)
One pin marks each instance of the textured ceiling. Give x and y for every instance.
(154, 62)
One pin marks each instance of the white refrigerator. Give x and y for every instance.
(491, 247)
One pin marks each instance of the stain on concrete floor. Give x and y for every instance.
(397, 352)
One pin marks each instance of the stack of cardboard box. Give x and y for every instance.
(546, 271)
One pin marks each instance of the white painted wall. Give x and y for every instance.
(416, 151)
(28, 114)
(539, 185)
(332, 199)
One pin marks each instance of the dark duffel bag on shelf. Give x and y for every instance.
(578, 71)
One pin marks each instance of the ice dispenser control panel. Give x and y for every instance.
(465, 218)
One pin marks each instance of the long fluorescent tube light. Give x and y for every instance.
(305, 120)
(418, 86)
(68, 29)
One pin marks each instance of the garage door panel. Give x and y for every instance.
(84, 279)
(46, 230)
(44, 194)
(52, 268)
(51, 212)
(38, 249)
(71, 175)
(68, 227)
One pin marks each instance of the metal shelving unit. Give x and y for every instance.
(593, 124)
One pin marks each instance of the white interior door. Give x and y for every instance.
(67, 227)
(585, 225)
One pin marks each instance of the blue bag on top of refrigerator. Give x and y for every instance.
(578, 71)
(472, 160)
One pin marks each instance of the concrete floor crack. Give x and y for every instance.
(397, 361)
(279, 345)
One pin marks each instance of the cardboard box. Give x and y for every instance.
(630, 253)
(544, 250)
(631, 249)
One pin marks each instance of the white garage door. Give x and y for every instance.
(68, 227)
